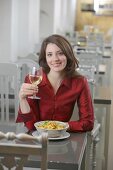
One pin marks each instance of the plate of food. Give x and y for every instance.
(55, 129)
(63, 136)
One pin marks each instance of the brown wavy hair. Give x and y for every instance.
(65, 46)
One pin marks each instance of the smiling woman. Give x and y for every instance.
(61, 87)
(55, 58)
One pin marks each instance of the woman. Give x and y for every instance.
(60, 89)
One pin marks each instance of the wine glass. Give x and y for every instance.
(35, 77)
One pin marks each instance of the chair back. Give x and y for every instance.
(25, 65)
(8, 92)
(19, 153)
(89, 73)
(96, 40)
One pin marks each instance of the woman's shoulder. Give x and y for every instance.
(79, 77)
(80, 80)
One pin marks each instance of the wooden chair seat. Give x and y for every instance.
(16, 154)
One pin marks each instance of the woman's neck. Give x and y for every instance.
(55, 75)
(55, 79)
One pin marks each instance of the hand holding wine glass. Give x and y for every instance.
(35, 77)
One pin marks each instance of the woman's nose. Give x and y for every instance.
(56, 57)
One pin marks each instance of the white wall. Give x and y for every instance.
(5, 30)
(56, 16)
(46, 18)
(71, 11)
(19, 28)
(64, 16)
(57, 25)
(14, 30)
(24, 22)
(25, 26)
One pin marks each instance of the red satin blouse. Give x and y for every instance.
(60, 106)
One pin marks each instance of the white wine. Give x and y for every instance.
(35, 79)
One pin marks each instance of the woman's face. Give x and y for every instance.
(55, 58)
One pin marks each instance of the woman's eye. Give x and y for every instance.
(60, 53)
(49, 55)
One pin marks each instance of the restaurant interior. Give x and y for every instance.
(88, 26)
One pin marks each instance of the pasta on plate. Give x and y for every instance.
(51, 125)
(53, 128)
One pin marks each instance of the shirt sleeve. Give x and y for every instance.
(33, 116)
(85, 109)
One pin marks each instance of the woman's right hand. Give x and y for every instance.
(27, 89)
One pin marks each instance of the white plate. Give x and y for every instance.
(64, 136)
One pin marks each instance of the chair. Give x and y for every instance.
(16, 154)
(96, 40)
(89, 59)
(9, 85)
(92, 140)
(89, 73)
(31, 56)
(93, 136)
(92, 57)
(25, 64)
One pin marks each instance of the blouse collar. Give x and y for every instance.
(66, 82)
